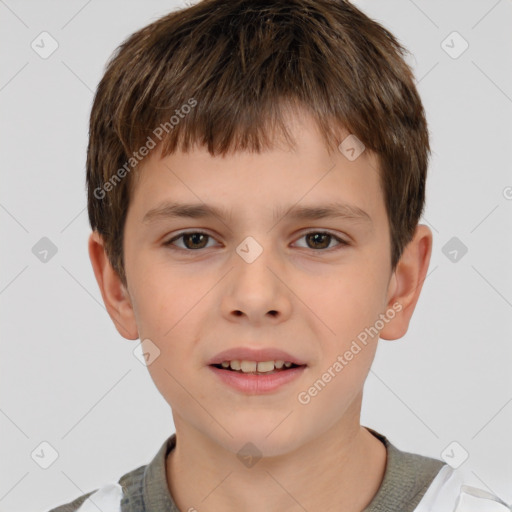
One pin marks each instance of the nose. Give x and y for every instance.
(256, 291)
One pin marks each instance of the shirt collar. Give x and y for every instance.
(406, 479)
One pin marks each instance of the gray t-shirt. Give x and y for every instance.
(407, 477)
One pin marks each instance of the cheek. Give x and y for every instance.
(332, 391)
(347, 304)
(158, 300)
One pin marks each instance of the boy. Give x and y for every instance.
(256, 173)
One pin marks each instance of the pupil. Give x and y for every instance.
(316, 236)
(194, 237)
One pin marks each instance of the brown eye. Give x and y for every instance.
(318, 240)
(195, 240)
(192, 240)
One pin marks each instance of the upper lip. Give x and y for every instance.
(255, 354)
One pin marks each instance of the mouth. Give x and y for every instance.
(246, 367)
(257, 378)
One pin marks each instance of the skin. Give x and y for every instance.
(194, 304)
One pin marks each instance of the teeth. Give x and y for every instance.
(253, 366)
(248, 366)
(266, 366)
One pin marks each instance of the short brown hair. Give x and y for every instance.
(241, 61)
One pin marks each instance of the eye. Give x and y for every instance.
(195, 240)
(192, 240)
(321, 240)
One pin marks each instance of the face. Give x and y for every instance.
(308, 285)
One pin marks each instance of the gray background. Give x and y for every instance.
(69, 379)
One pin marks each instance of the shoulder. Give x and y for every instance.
(74, 505)
(109, 496)
(406, 478)
(450, 492)
(417, 483)
(131, 491)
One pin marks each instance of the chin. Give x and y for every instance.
(261, 439)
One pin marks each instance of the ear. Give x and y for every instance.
(115, 295)
(407, 281)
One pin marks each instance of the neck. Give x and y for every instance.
(340, 470)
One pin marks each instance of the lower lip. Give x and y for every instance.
(256, 384)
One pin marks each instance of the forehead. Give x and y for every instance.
(301, 172)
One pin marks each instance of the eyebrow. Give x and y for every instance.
(169, 210)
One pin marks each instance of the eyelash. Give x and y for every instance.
(169, 243)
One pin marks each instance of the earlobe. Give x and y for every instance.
(114, 294)
(407, 281)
